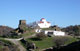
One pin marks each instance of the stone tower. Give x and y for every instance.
(22, 24)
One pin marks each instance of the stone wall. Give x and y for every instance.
(22, 24)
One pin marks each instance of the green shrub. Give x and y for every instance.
(41, 35)
(60, 40)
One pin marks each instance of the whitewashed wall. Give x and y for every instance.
(44, 25)
(55, 33)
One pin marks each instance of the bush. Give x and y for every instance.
(58, 40)
(72, 30)
(7, 46)
(41, 35)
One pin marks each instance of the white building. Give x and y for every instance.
(45, 24)
(54, 33)
(41, 24)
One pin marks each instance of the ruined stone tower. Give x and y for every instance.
(22, 24)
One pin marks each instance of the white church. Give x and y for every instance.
(43, 23)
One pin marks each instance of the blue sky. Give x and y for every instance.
(60, 12)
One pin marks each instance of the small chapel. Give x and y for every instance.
(43, 23)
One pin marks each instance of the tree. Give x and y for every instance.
(41, 35)
(59, 40)
(72, 30)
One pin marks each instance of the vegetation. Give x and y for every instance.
(14, 36)
(6, 41)
(51, 41)
(72, 30)
(28, 34)
(40, 40)
(42, 44)
(55, 27)
(41, 36)
(60, 40)
(7, 46)
(47, 28)
(5, 30)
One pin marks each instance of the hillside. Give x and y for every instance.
(5, 30)
(7, 46)
(72, 30)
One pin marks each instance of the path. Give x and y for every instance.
(16, 42)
